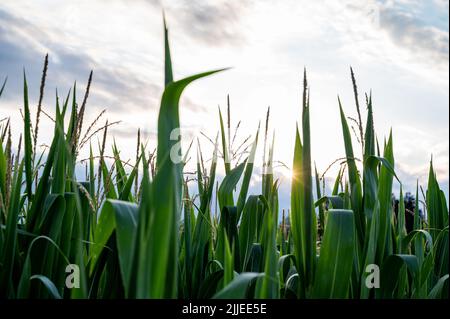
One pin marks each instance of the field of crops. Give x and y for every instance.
(142, 233)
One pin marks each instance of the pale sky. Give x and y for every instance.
(398, 49)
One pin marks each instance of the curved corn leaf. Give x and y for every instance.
(166, 207)
(390, 275)
(284, 266)
(416, 233)
(291, 288)
(437, 290)
(24, 282)
(52, 290)
(239, 287)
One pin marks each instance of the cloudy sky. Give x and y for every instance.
(398, 49)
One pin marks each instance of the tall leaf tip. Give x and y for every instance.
(24, 76)
(168, 73)
(305, 80)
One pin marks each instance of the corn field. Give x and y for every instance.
(143, 233)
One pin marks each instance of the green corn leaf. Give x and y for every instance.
(413, 235)
(390, 274)
(321, 210)
(284, 267)
(438, 288)
(441, 252)
(121, 177)
(247, 177)
(249, 228)
(108, 184)
(168, 74)
(228, 262)
(254, 262)
(49, 285)
(202, 231)
(336, 256)
(66, 104)
(369, 136)
(354, 180)
(292, 283)
(384, 196)
(336, 183)
(3, 169)
(228, 185)
(227, 232)
(125, 192)
(122, 217)
(239, 287)
(187, 236)
(308, 218)
(162, 241)
(210, 284)
(267, 176)
(226, 156)
(9, 248)
(43, 185)
(296, 209)
(24, 282)
(436, 205)
(126, 225)
(27, 140)
(401, 228)
(267, 286)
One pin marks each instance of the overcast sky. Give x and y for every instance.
(398, 49)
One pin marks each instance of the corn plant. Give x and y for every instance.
(141, 230)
